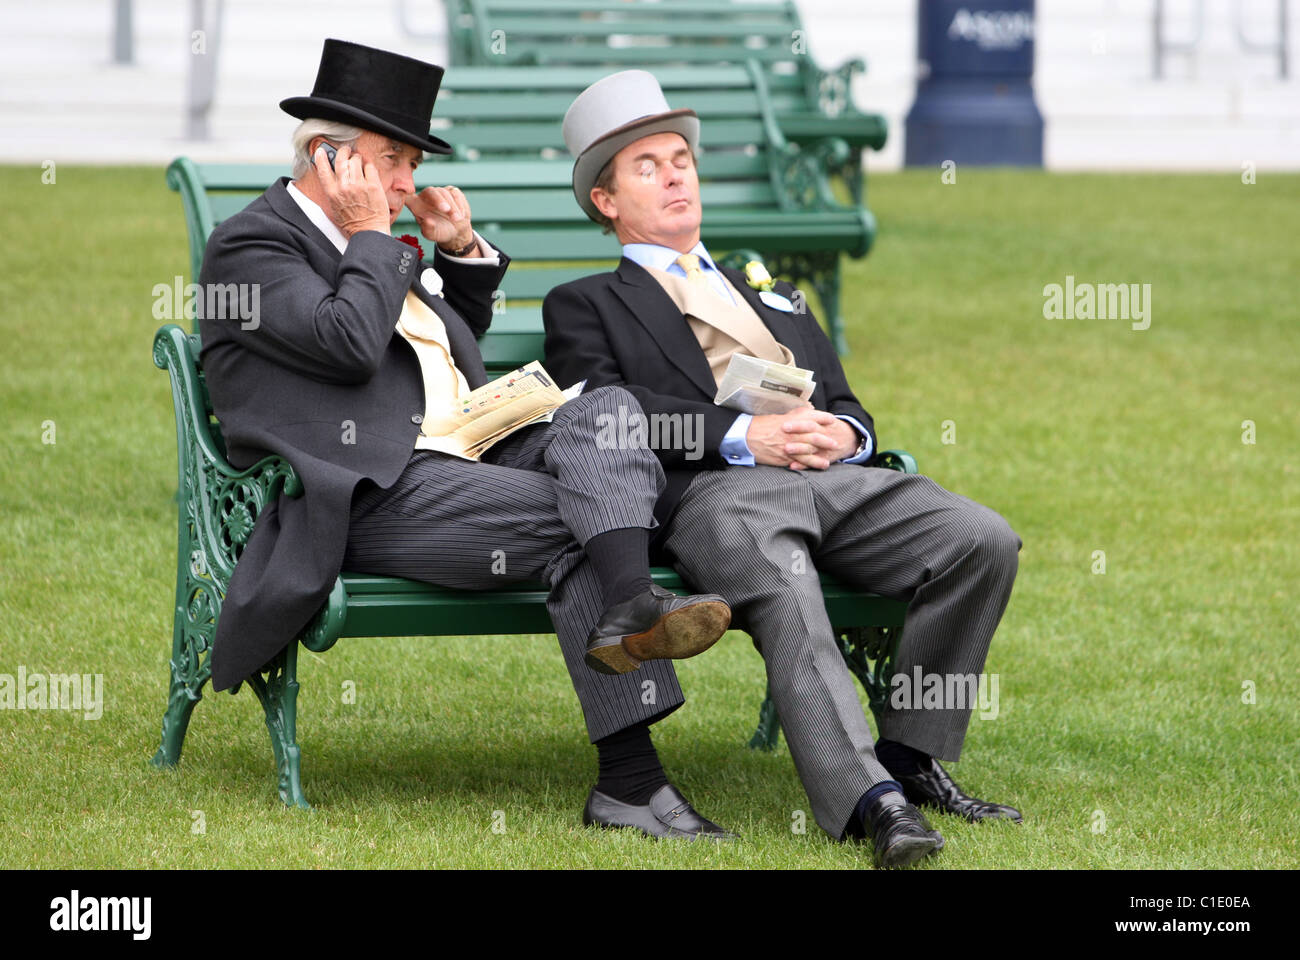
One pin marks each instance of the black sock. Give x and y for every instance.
(622, 562)
(900, 759)
(630, 770)
(858, 825)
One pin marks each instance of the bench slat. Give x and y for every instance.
(387, 607)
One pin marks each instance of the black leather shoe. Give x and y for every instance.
(654, 625)
(932, 787)
(666, 815)
(899, 831)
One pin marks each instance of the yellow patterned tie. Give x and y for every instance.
(691, 264)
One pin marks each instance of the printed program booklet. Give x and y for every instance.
(756, 386)
(497, 409)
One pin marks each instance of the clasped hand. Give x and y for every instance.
(801, 439)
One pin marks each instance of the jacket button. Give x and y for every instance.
(416, 418)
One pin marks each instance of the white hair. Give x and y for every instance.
(339, 134)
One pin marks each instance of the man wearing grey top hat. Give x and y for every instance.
(776, 487)
(361, 349)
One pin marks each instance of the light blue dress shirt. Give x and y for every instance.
(734, 447)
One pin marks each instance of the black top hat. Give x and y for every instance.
(374, 89)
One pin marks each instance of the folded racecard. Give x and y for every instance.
(496, 410)
(756, 386)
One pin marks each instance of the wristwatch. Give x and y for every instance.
(463, 251)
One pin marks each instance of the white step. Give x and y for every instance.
(1094, 78)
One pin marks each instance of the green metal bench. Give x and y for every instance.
(814, 107)
(218, 505)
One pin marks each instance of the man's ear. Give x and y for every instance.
(313, 145)
(604, 202)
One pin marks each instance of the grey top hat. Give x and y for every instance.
(611, 113)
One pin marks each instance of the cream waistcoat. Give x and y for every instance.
(443, 381)
(722, 328)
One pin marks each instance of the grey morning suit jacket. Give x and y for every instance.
(323, 367)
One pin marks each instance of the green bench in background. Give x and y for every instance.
(759, 193)
(218, 505)
(811, 104)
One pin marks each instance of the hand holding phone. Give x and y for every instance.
(354, 196)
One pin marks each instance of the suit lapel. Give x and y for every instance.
(656, 311)
(779, 322)
(277, 195)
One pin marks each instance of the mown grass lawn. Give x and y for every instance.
(1123, 732)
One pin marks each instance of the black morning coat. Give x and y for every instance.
(622, 328)
(323, 380)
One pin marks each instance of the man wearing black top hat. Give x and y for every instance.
(360, 348)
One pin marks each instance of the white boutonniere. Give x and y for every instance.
(432, 281)
(756, 276)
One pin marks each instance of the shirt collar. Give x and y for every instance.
(661, 258)
(317, 216)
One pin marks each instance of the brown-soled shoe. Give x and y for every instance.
(933, 787)
(668, 814)
(655, 625)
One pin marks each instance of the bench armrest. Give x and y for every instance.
(217, 503)
(832, 152)
(832, 90)
(899, 460)
(799, 179)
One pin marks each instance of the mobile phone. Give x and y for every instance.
(330, 151)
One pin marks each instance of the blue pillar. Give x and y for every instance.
(975, 101)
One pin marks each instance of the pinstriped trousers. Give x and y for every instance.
(759, 535)
(525, 515)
